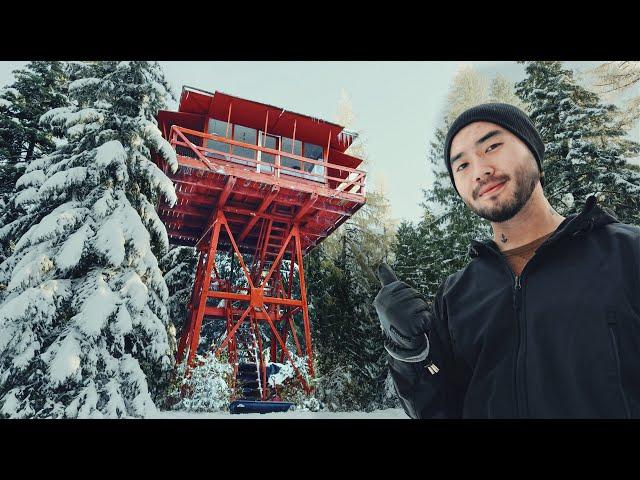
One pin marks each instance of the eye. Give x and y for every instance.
(492, 147)
(461, 165)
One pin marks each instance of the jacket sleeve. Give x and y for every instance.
(422, 394)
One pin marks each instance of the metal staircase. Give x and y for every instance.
(248, 383)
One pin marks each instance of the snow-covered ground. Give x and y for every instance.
(393, 413)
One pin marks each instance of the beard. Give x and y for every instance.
(526, 179)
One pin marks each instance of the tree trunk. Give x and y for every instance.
(29, 154)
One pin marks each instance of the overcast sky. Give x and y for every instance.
(397, 105)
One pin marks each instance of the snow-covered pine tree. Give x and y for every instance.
(83, 324)
(406, 253)
(342, 284)
(38, 87)
(586, 150)
(207, 383)
(420, 254)
(326, 292)
(179, 265)
(363, 341)
(329, 289)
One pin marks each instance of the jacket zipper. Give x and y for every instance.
(520, 345)
(519, 387)
(519, 384)
(614, 344)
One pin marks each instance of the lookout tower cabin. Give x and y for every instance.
(263, 186)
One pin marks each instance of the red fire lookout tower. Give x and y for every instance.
(266, 182)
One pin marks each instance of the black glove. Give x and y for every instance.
(404, 317)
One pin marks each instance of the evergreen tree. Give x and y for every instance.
(586, 149)
(341, 282)
(38, 88)
(351, 363)
(83, 325)
(179, 265)
(327, 294)
(406, 253)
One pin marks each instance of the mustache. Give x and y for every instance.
(476, 191)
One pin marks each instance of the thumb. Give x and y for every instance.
(385, 274)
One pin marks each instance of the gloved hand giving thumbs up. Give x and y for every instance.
(404, 317)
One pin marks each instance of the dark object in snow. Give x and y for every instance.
(253, 406)
(272, 369)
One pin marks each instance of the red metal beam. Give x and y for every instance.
(251, 213)
(263, 252)
(284, 197)
(186, 143)
(202, 301)
(221, 312)
(246, 298)
(232, 332)
(263, 206)
(303, 295)
(235, 248)
(305, 208)
(276, 262)
(292, 327)
(286, 351)
(221, 201)
(226, 192)
(319, 218)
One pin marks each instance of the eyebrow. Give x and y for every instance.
(484, 138)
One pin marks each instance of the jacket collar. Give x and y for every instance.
(592, 216)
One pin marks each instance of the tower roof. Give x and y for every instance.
(252, 113)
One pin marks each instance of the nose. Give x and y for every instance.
(483, 171)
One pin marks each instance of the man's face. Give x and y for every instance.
(494, 171)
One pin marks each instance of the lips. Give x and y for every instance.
(491, 188)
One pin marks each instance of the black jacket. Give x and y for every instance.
(562, 340)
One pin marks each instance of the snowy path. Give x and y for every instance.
(393, 413)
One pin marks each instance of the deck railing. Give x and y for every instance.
(182, 140)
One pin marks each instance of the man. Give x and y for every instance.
(544, 322)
